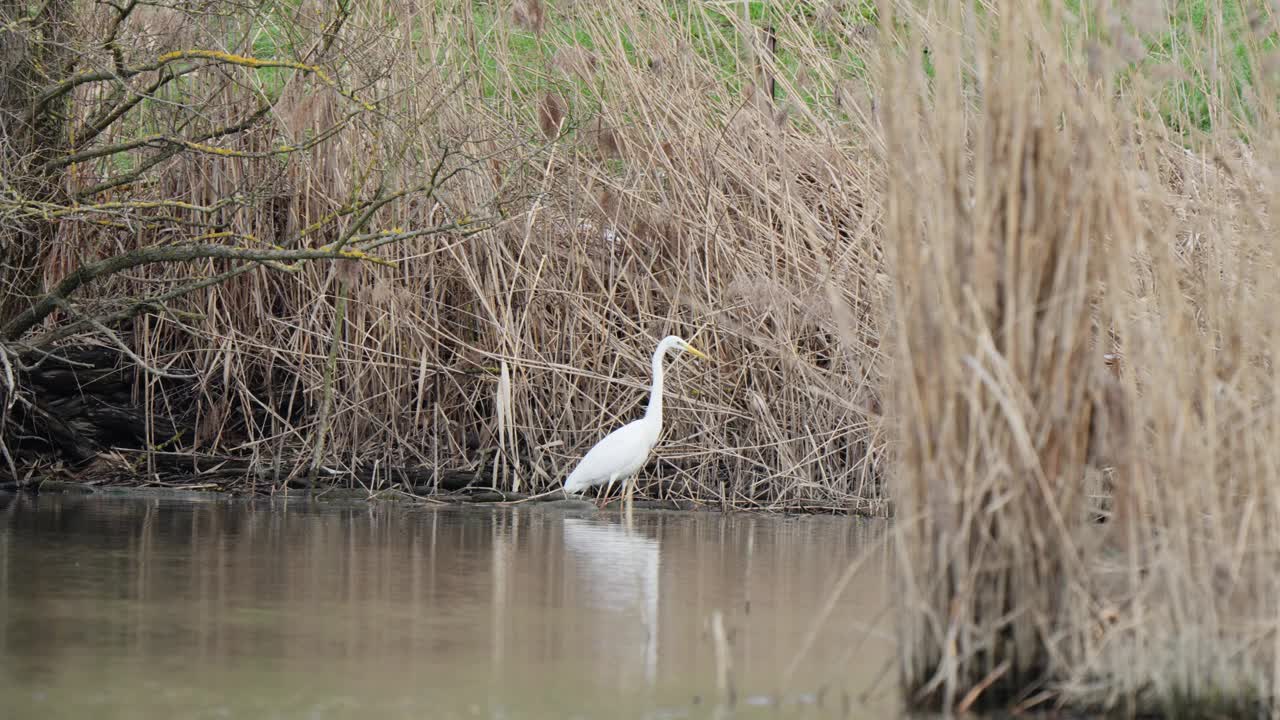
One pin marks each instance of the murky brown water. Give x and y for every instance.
(128, 607)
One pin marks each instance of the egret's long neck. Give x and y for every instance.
(655, 393)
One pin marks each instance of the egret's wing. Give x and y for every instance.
(620, 449)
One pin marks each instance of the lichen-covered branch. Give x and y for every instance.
(200, 145)
(122, 102)
(63, 87)
(172, 150)
(54, 211)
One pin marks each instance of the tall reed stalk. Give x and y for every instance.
(1079, 332)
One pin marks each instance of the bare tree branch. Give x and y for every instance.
(160, 254)
(214, 57)
(53, 211)
(200, 146)
(367, 242)
(171, 151)
(109, 42)
(122, 347)
(115, 109)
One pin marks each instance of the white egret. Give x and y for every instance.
(621, 454)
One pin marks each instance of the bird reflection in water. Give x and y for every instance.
(621, 568)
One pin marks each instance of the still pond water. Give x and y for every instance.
(174, 608)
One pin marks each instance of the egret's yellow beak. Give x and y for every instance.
(695, 351)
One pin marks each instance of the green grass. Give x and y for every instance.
(1180, 53)
(511, 62)
(1188, 103)
(511, 66)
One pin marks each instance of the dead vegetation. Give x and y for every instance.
(1082, 315)
(1045, 257)
(614, 195)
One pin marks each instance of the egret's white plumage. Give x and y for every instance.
(622, 453)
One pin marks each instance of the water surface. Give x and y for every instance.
(150, 607)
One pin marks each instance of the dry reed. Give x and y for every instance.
(1075, 317)
(1082, 326)
(721, 222)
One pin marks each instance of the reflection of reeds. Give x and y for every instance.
(519, 599)
(1082, 307)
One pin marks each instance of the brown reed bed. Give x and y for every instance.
(620, 192)
(1081, 314)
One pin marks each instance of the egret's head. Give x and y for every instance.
(674, 342)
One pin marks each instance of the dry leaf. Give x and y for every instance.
(575, 61)
(608, 141)
(551, 114)
(530, 15)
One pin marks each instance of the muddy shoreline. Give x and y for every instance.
(81, 429)
(474, 496)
